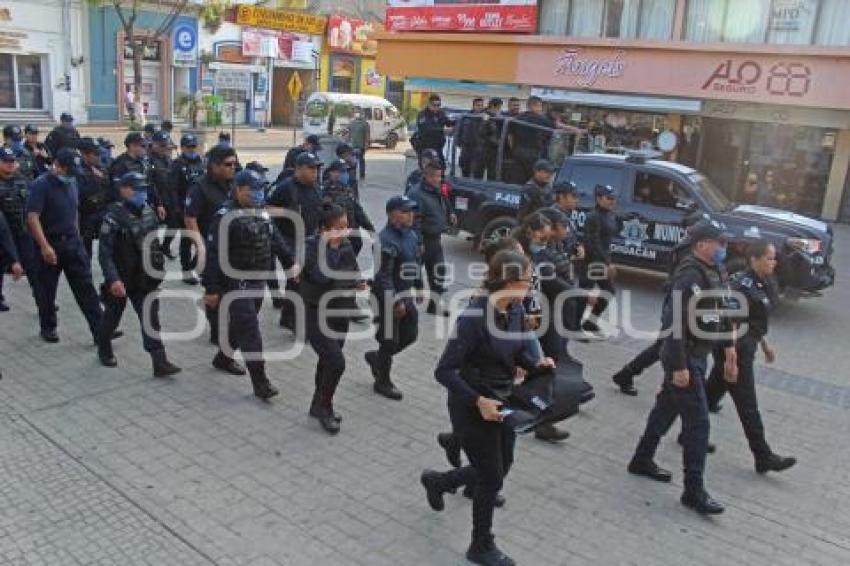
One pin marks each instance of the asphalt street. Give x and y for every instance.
(109, 466)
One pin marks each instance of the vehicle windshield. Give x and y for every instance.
(316, 109)
(711, 194)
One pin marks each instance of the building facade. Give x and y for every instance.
(166, 73)
(751, 88)
(42, 61)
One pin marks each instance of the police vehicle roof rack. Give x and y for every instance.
(641, 155)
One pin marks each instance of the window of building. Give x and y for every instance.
(645, 19)
(833, 27)
(792, 21)
(21, 82)
(722, 20)
(8, 97)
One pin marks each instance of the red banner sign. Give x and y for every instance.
(463, 17)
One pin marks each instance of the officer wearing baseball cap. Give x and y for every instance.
(13, 203)
(95, 192)
(62, 136)
(185, 170)
(159, 158)
(537, 192)
(599, 231)
(135, 160)
(13, 138)
(300, 194)
(338, 191)
(106, 146)
(52, 217)
(398, 319)
(694, 314)
(251, 244)
(311, 145)
(122, 255)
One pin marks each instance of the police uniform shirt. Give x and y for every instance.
(400, 268)
(761, 298)
(120, 254)
(202, 204)
(182, 174)
(13, 202)
(431, 129)
(56, 202)
(599, 231)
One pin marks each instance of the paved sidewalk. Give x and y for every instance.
(109, 466)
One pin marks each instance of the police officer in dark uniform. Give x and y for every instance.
(338, 191)
(599, 231)
(755, 286)
(9, 261)
(52, 217)
(478, 367)
(431, 125)
(13, 204)
(490, 135)
(123, 237)
(13, 138)
(252, 240)
(95, 192)
(328, 283)
(537, 192)
(427, 156)
(347, 154)
(683, 356)
(159, 160)
(565, 201)
(530, 134)
(398, 275)
(38, 149)
(62, 136)
(298, 193)
(185, 170)
(135, 160)
(311, 145)
(106, 147)
(205, 198)
(471, 160)
(435, 215)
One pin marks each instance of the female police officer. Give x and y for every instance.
(329, 277)
(755, 286)
(478, 368)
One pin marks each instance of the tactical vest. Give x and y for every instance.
(710, 322)
(13, 200)
(250, 243)
(128, 254)
(313, 291)
(96, 200)
(27, 165)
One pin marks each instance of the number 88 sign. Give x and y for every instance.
(791, 79)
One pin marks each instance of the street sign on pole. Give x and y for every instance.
(185, 53)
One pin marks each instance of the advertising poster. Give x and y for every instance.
(510, 16)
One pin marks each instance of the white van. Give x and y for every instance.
(329, 113)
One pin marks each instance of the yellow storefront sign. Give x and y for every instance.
(258, 17)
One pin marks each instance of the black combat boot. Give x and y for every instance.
(450, 443)
(550, 433)
(435, 488)
(161, 366)
(774, 463)
(107, 358)
(228, 365)
(624, 379)
(488, 554)
(702, 503)
(263, 389)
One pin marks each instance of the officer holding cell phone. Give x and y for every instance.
(478, 367)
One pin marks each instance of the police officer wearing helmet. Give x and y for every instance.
(398, 275)
(298, 193)
(125, 247)
(684, 357)
(599, 231)
(537, 192)
(38, 149)
(52, 218)
(426, 157)
(13, 138)
(95, 192)
(205, 198)
(13, 205)
(434, 217)
(337, 190)
(252, 241)
(185, 170)
(65, 135)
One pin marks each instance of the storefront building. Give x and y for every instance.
(349, 61)
(761, 94)
(168, 67)
(41, 62)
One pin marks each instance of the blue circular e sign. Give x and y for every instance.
(184, 38)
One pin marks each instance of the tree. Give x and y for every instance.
(128, 12)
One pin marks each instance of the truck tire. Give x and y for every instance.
(497, 228)
(392, 140)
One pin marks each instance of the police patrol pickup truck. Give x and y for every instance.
(654, 198)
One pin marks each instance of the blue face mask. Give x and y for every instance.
(535, 247)
(138, 199)
(344, 179)
(66, 179)
(258, 199)
(17, 147)
(191, 155)
(719, 256)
